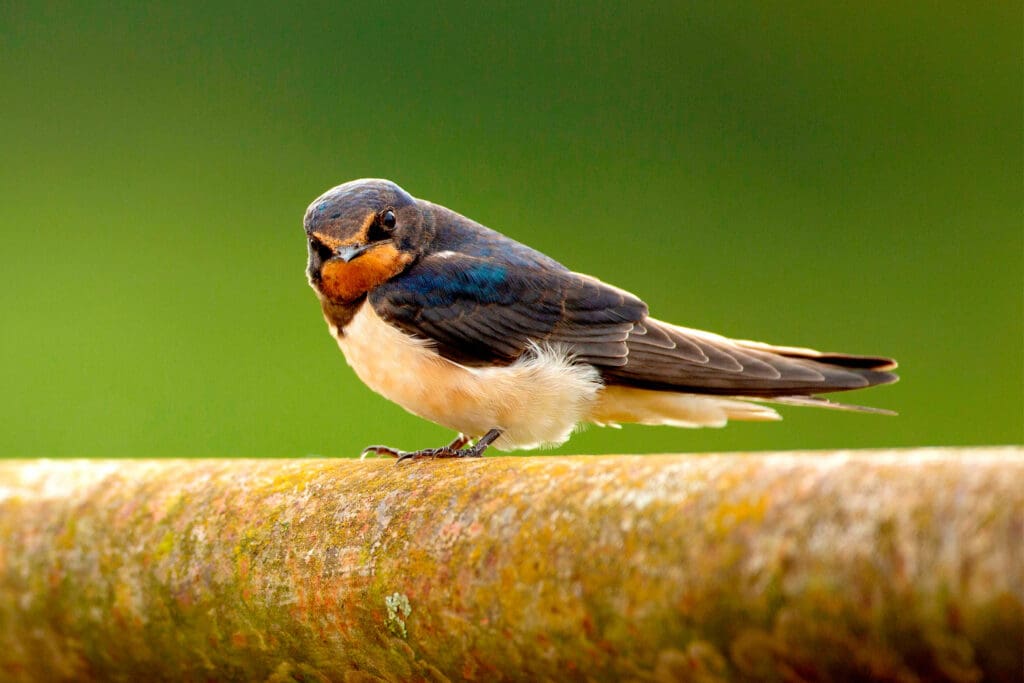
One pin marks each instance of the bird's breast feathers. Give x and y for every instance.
(535, 401)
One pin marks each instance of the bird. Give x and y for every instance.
(470, 329)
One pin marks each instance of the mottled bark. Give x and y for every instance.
(880, 565)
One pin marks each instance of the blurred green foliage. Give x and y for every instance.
(846, 176)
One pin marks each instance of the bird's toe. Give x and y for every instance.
(381, 450)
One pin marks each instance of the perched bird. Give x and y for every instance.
(470, 329)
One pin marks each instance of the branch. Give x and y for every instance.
(875, 565)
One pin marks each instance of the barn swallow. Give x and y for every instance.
(470, 329)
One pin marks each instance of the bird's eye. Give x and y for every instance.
(388, 220)
(322, 251)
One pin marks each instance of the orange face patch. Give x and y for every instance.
(345, 282)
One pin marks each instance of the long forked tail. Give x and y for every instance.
(691, 378)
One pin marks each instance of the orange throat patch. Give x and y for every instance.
(345, 282)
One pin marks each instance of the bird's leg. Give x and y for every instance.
(457, 444)
(477, 451)
(459, 441)
(455, 448)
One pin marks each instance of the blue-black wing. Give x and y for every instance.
(482, 311)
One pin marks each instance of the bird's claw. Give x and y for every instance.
(381, 450)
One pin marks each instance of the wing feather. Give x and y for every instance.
(741, 368)
(480, 311)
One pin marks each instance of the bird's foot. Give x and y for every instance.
(442, 452)
(456, 449)
(460, 441)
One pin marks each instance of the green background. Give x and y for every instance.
(846, 176)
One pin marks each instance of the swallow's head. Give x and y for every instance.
(360, 235)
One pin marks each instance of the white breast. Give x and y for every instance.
(535, 401)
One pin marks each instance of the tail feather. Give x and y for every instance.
(819, 402)
(617, 405)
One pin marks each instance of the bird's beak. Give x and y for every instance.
(347, 252)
